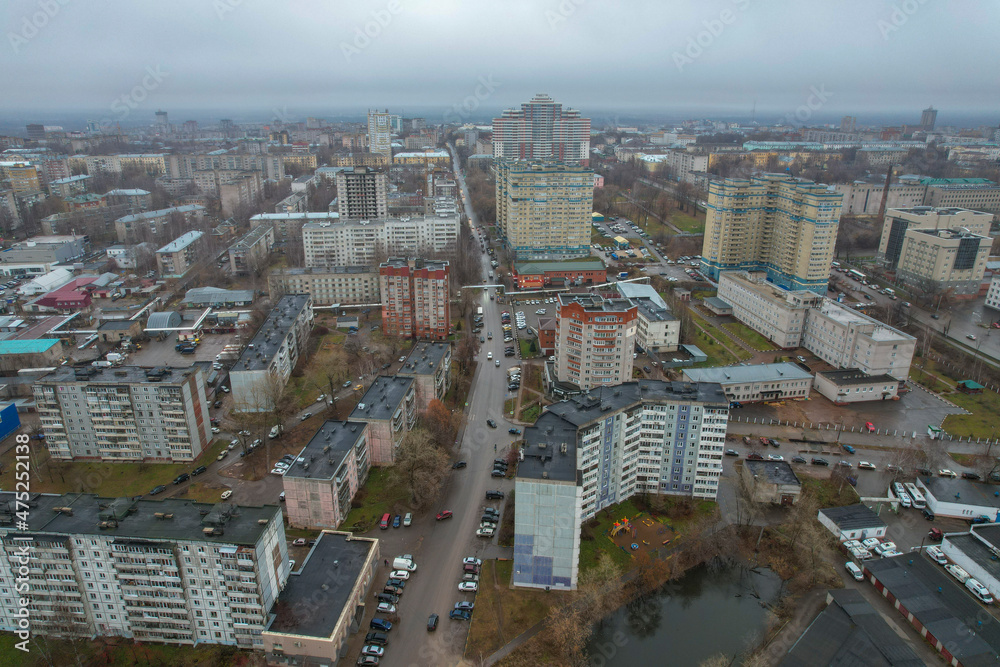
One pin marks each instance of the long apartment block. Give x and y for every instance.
(837, 334)
(359, 242)
(123, 414)
(171, 571)
(600, 448)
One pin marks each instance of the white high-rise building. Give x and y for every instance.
(542, 130)
(360, 242)
(602, 447)
(380, 132)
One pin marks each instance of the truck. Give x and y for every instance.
(479, 311)
(957, 572)
(114, 357)
(623, 274)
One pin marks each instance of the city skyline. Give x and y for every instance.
(722, 56)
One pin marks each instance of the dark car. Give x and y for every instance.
(491, 423)
(432, 622)
(460, 615)
(379, 638)
(929, 515)
(498, 473)
(514, 431)
(183, 477)
(398, 583)
(158, 489)
(732, 452)
(198, 470)
(500, 462)
(217, 404)
(458, 464)
(755, 456)
(935, 316)
(397, 520)
(970, 475)
(820, 462)
(494, 495)
(392, 590)
(799, 459)
(380, 624)
(391, 598)
(924, 471)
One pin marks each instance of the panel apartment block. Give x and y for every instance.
(338, 284)
(171, 571)
(123, 414)
(390, 409)
(781, 225)
(263, 369)
(350, 242)
(602, 447)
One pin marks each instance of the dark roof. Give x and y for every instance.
(853, 517)
(974, 549)
(383, 398)
(988, 532)
(850, 632)
(774, 472)
(117, 375)
(136, 518)
(271, 334)
(424, 358)
(849, 377)
(962, 491)
(325, 452)
(544, 457)
(592, 405)
(329, 574)
(117, 325)
(941, 605)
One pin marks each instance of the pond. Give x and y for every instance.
(710, 610)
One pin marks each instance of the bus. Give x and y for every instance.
(918, 498)
(834, 265)
(857, 275)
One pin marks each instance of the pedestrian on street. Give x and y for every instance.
(387, 562)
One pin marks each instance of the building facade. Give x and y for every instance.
(533, 275)
(263, 369)
(429, 364)
(350, 242)
(389, 407)
(544, 209)
(338, 284)
(752, 384)
(127, 413)
(165, 571)
(542, 130)
(326, 474)
(135, 227)
(851, 385)
(944, 260)
(595, 337)
(899, 221)
(600, 448)
(361, 193)
(177, 257)
(415, 298)
(379, 132)
(249, 254)
(784, 226)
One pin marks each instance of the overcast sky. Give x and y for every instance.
(310, 57)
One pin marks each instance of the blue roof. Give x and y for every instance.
(27, 346)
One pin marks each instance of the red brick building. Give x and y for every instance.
(415, 295)
(547, 336)
(535, 275)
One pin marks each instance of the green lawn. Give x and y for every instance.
(982, 423)
(103, 479)
(376, 497)
(717, 355)
(687, 223)
(967, 460)
(749, 336)
(718, 351)
(829, 493)
(531, 413)
(525, 346)
(593, 539)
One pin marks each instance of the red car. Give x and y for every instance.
(444, 514)
(755, 456)
(870, 426)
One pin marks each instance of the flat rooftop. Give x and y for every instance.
(117, 375)
(572, 265)
(383, 398)
(544, 457)
(845, 316)
(962, 491)
(330, 571)
(850, 377)
(136, 518)
(181, 242)
(785, 370)
(941, 605)
(252, 237)
(852, 517)
(774, 472)
(323, 271)
(268, 339)
(595, 302)
(325, 452)
(975, 549)
(425, 358)
(989, 532)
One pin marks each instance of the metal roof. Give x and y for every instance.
(740, 374)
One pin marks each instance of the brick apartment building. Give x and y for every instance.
(415, 298)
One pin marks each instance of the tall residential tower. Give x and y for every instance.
(542, 130)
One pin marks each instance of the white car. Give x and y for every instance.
(282, 465)
(468, 587)
(852, 544)
(775, 457)
(470, 560)
(399, 574)
(937, 555)
(226, 494)
(485, 532)
(402, 359)
(216, 429)
(278, 471)
(865, 465)
(489, 355)
(870, 543)
(944, 472)
(385, 608)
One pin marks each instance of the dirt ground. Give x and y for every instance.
(648, 533)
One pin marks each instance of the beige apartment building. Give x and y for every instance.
(177, 257)
(900, 220)
(865, 197)
(595, 338)
(945, 260)
(980, 196)
(544, 210)
(324, 477)
(338, 284)
(380, 132)
(837, 334)
(249, 254)
(784, 226)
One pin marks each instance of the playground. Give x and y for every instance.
(641, 533)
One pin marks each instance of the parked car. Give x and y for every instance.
(157, 490)
(397, 521)
(432, 622)
(377, 638)
(944, 472)
(471, 560)
(755, 456)
(865, 465)
(468, 587)
(817, 461)
(183, 477)
(198, 471)
(970, 475)
(514, 431)
(400, 574)
(226, 494)
(732, 452)
(457, 465)
(928, 514)
(494, 495)
(460, 615)
(380, 624)
(799, 459)
(444, 514)
(485, 532)
(374, 650)
(408, 519)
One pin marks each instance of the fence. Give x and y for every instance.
(761, 421)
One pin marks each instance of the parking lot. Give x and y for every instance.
(162, 353)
